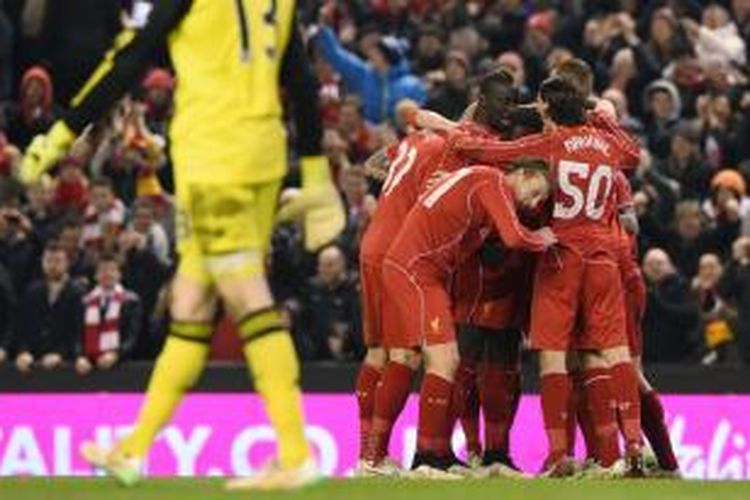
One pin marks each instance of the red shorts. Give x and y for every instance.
(371, 282)
(577, 303)
(417, 309)
(492, 297)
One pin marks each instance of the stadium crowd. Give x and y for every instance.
(86, 256)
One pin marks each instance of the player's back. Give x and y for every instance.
(448, 223)
(413, 161)
(584, 163)
(228, 58)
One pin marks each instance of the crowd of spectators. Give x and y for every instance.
(86, 256)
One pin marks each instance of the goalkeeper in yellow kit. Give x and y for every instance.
(228, 146)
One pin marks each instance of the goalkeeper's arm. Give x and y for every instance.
(319, 201)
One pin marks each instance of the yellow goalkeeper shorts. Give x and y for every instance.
(224, 229)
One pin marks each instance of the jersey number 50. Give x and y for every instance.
(593, 201)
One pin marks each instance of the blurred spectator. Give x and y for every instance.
(451, 97)
(381, 81)
(330, 318)
(728, 201)
(734, 287)
(158, 89)
(16, 247)
(147, 269)
(716, 316)
(8, 307)
(50, 315)
(104, 216)
(360, 207)
(670, 325)
(70, 194)
(81, 265)
(359, 136)
(6, 54)
(429, 51)
(112, 320)
(685, 163)
(716, 36)
(663, 107)
(35, 111)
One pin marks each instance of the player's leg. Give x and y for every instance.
(471, 341)
(580, 409)
(181, 361)
(434, 456)
(372, 366)
(553, 315)
(500, 391)
(404, 358)
(603, 343)
(242, 217)
(654, 424)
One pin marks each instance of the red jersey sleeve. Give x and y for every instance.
(490, 151)
(623, 193)
(497, 202)
(630, 149)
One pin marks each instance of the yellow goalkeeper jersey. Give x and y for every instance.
(231, 57)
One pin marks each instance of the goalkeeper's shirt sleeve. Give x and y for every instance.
(301, 87)
(125, 61)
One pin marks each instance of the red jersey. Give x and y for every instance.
(624, 200)
(583, 160)
(452, 219)
(414, 161)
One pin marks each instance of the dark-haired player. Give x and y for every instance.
(578, 283)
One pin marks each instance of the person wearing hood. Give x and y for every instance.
(381, 81)
(663, 106)
(35, 111)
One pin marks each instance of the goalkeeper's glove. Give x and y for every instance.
(318, 203)
(44, 151)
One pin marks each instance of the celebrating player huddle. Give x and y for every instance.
(478, 237)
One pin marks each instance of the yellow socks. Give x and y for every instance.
(273, 364)
(177, 369)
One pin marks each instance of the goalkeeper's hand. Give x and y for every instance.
(318, 204)
(44, 151)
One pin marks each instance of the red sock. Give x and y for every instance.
(367, 382)
(499, 386)
(655, 429)
(434, 427)
(466, 404)
(556, 389)
(597, 384)
(390, 397)
(583, 416)
(573, 403)
(625, 382)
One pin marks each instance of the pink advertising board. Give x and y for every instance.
(227, 434)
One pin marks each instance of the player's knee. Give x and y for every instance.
(552, 362)
(376, 357)
(244, 294)
(617, 355)
(442, 360)
(192, 301)
(408, 357)
(471, 341)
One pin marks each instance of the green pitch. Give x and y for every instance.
(184, 489)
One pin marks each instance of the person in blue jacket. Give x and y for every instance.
(381, 81)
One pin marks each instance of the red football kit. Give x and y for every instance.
(448, 225)
(632, 280)
(577, 283)
(414, 161)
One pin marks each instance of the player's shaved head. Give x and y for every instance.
(498, 98)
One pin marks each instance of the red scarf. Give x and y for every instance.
(101, 332)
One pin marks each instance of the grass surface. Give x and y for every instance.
(183, 489)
